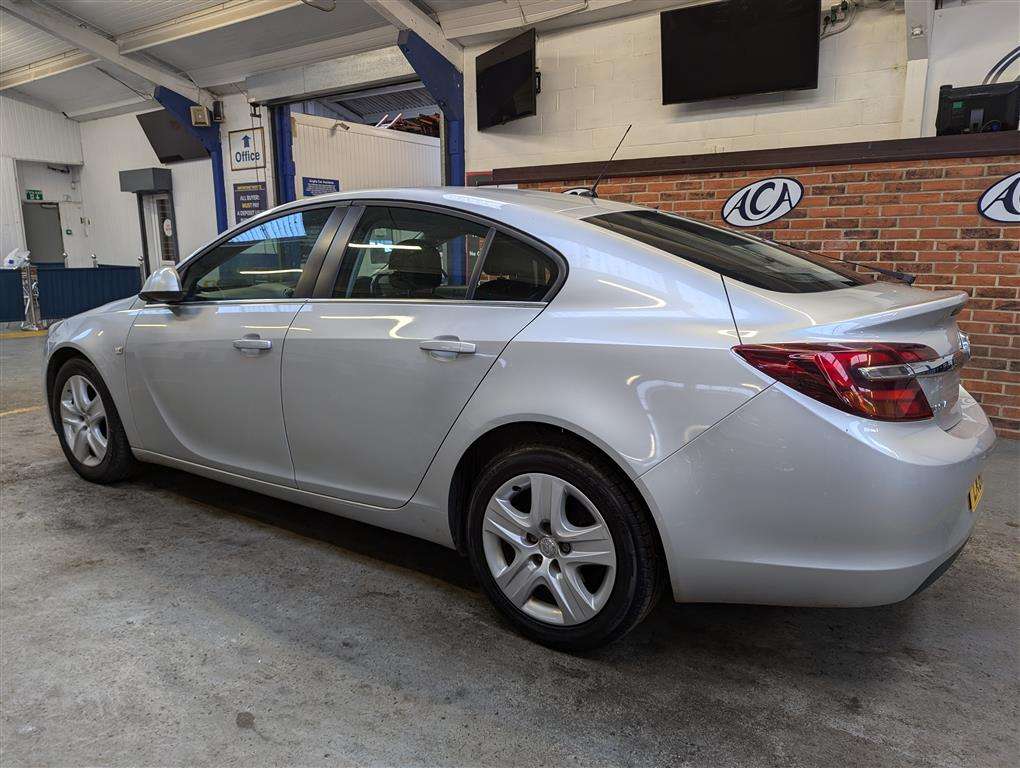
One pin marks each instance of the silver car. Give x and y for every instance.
(590, 400)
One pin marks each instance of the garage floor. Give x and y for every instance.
(173, 620)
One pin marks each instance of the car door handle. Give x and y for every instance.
(448, 345)
(253, 343)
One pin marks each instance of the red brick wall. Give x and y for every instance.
(916, 216)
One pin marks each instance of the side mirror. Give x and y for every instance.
(163, 287)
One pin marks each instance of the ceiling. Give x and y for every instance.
(216, 44)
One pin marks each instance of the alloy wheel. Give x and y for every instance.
(548, 549)
(83, 419)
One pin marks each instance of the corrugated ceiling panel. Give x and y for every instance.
(78, 90)
(120, 16)
(22, 44)
(287, 29)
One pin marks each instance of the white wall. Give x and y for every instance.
(238, 117)
(362, 156)
(599, 78)
(31, 133)
(55, 185)
(117, 144)
(967, 40)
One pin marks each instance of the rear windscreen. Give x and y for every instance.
(750, 260)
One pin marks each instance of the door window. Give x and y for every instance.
(407, 253)
(514, 271)
(262, 262)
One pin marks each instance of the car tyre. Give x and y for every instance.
(88, 424)
(596, 489)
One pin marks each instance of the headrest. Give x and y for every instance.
(416, 266)
(506, 259)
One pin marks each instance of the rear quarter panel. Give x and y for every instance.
(633, 354)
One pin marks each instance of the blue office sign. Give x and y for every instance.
(311, 186)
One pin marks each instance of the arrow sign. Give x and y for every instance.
(246, 140)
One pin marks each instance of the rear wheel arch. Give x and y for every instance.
(505, 436)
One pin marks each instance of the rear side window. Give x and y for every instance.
(406, 253)
(750, 260)
(514, 271)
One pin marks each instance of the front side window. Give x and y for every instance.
(750, 260)
(514, 271)
(263, 262)
(407, 253)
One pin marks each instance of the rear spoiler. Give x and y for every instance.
(941, 306)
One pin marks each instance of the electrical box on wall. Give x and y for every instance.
(978, 108)
(200, 117)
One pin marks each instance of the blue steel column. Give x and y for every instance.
(180, 107)
(446, 84)
(283, 154)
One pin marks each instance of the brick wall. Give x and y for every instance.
(916, 216)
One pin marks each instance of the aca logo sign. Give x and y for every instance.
(762, 202)
(1001, 201)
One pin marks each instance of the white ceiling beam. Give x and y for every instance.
(70, 31)
(137, 104)
(189, 25)
(404, 14)
(39, 70)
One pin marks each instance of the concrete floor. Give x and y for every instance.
(172, 620)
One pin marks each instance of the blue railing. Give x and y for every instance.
(64, 292)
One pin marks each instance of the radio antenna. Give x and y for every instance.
(594, 187)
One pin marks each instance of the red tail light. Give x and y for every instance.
(871, 380)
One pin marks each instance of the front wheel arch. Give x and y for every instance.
(53, 366)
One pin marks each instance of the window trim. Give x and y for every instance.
(313, 265)
(333, 262)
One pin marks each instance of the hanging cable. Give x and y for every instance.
(1000, 67)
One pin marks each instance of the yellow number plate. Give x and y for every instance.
(977, 489)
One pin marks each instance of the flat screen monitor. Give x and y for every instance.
(171, 142)
(505, 83)
(739, 47)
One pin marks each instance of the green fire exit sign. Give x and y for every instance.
(33, 194)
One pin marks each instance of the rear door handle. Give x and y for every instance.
(448, 345)
(252, 342)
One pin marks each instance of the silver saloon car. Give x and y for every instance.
(589, 400)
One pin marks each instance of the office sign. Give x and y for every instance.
(1001, 201)
(311, 186)
(250, 198)
(763, 201)
(247, 149)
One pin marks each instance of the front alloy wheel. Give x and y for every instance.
(83, 419)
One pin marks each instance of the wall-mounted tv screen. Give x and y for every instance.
(170, 140)
(505, 84)
(738, 47)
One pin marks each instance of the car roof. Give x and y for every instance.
(516, 207)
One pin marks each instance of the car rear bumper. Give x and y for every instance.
(790, 502)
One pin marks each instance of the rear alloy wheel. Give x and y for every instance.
(548, 549)
(562, 545)
(88, 424)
